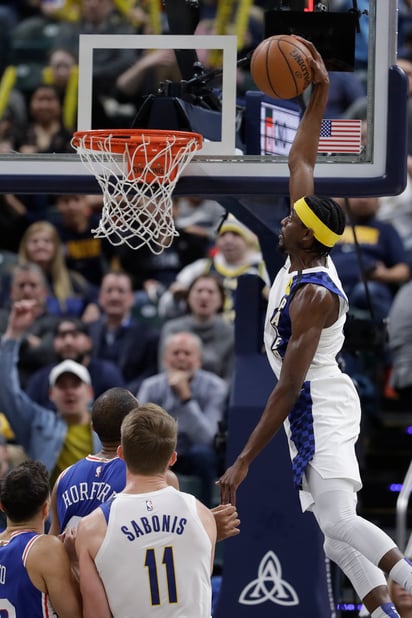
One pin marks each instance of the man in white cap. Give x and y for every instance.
(56, 439)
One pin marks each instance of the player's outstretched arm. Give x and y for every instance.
(303, 152)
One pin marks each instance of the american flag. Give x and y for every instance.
(340, 136)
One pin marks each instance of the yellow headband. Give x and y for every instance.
(320, 231)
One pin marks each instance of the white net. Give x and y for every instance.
(137, 178)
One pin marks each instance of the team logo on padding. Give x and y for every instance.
(269, 585)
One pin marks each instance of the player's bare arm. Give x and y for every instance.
(49, 568)
(90, 535)
(312, 309)
(209, 523)
(55, 524)
(303, 153)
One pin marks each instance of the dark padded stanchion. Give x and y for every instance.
(276, 566)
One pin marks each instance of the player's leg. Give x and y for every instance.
(368, 580)
(356, 545)
(335, 510)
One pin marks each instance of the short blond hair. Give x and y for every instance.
(148, 439)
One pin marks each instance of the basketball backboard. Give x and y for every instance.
(225, 167)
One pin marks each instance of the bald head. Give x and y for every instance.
(183, 351)
(109, 410)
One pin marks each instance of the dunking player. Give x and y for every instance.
(160, 541)
(36, 578)
(316, 402)
(86, 484)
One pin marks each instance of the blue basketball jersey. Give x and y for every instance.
(18, 596)
(87, 484)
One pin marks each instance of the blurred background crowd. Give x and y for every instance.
(164, 324)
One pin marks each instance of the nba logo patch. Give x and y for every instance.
(149, 505)
(98, 471)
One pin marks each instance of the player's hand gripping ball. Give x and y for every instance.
(280, 66)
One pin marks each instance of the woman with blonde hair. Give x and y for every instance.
(69, 291)
(205, 301)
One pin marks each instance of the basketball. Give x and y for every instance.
(280, 67)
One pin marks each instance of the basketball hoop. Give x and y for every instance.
(137, 171)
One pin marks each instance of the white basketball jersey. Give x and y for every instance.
(155, 558)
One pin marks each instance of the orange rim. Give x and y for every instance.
(120, 138)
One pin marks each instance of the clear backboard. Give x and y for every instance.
(247, 141)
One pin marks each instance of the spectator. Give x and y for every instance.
(401, 599)
(362, 36)
(249, 31)
(404, 24)
(66, 10)
(62, 72)
(345, 89)
(205, 300)
(5, 465)
(13, 119)
(45, 131)
(153, 273)
(13, 222)
(397, 209)
(100, 17)
(384, 257)
(237, 253)
(359, 108)
(145, 75)
(69, 292)
(70, 10)
(201, 217)
(37, 578)
(83, 253)
(36, 348)
(72, 341)
(118, 337)
(148, 442)
(197, 399)
(57, 440)
(400, 342)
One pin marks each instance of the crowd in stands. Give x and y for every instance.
(112, 308)
(79, 316)
(63, 299)
(38, 87)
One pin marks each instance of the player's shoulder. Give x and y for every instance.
(207, 518)
(44, 547)
(91, 520)
(70, 470)
(313, 291)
